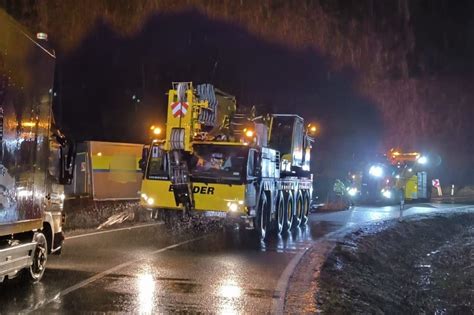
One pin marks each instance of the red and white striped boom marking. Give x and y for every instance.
(179, 109)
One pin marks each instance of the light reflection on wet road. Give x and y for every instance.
(227, 272)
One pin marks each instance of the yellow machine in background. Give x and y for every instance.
(390, 178)
(217, 161)
(106, 171)
(411, 175)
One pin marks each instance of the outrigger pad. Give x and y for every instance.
(183, 195)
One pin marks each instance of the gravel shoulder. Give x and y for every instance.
(85, 216)
(421, 265)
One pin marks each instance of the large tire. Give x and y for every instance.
(40, 257)
(306, 205)
(289, 211)
(261, 220)
(298, 213)
(280, 213)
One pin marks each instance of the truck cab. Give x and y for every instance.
(35, 158)
(222, 174)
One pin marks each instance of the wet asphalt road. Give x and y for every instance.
(147, 270)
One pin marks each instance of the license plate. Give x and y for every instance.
(220, 214)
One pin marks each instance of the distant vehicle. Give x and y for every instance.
(35, 158)
(398, 176)
(216, 160)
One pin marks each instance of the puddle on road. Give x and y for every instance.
(260, 293)
(322, 228)
(293, 242)
(188, 287)
(147, 294)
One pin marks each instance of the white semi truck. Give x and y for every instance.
(35, 158)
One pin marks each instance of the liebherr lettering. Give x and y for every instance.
(203, 190)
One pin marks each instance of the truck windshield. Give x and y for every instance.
(282, 133)
(219, 163)
(158, 164)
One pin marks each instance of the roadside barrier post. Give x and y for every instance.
(402, 204)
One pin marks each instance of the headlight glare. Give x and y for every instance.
(376, 171)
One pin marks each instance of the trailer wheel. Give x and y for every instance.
(40, 257)
(298, 210)
(306, 202)
(280, 213)
(261, 221)
(288, 221)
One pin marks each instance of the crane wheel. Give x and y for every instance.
(298, 210)
(306, 202)
(261, 221)
(280, 213)
(289, 211)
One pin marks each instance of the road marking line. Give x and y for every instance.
(114, 230)
(103, 274)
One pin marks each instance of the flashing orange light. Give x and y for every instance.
(157, 131)
(28, 124)
(312, 129)
(248, 133)
(152, 127)
(99, 154)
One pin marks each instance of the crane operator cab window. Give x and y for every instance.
(219, 163)
(287, 137)
(158, 164)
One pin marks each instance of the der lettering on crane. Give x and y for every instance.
(203, 190)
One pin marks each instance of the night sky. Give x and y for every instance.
(373, 74)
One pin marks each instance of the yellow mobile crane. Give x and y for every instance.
(241, 166)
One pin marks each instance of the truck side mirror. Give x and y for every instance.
(257, 165)
(253, 165)
(1, 118)
(144, 159)
(67, 160)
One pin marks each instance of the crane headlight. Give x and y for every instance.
(234, 206)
